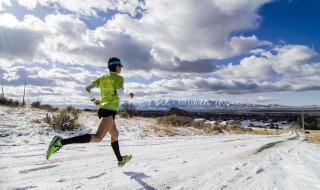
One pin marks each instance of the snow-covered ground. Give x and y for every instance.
(182, 162)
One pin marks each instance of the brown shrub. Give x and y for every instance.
(175, 121)
(165, 131)
(313, 138)
(64, 120)
(124, 115)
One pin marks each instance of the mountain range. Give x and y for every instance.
(198, 104)
(204, 105)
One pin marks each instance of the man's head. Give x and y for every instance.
(114, 63)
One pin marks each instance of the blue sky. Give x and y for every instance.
(251, 51)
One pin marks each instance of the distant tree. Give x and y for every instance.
(36, 104)
(129, 109)
(177, 111)
(313, 124)
(271, 126)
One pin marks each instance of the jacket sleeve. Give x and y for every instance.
(121, 94)
(87, 90)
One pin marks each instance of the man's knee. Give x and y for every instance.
(114, 134)
(97, 138)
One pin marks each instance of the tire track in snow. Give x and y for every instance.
(180, 164)
(218, 168)
(283, 168)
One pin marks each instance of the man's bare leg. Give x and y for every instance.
(105, 124)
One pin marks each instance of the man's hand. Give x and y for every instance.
(96, 102)
(132, 95)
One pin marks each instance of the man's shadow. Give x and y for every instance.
(139, 178)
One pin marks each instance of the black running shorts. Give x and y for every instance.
(106, 113)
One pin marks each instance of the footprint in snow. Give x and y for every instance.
(37, 169)
(62, 180)
(26, 187)
(97, 176)
(259, 170)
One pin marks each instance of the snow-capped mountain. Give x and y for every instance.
(195, 104)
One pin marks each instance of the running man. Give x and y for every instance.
(111, 90)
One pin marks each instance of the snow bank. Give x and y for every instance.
(181, 162)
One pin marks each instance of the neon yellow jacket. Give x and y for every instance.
(109, 84)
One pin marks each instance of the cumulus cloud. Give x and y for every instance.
(50, 83)
(284, 61)
(177, 41)
(4, 3)
(192, 30)
(172, 43)
(92, 7)
(230, 85)
(29, 4)
(263, 99)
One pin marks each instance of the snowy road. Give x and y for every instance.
(189, 162)
(218, 162)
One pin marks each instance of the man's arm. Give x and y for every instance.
(87, 90)
(121, 94)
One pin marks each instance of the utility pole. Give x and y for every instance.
(302, 121)
(24, 92)
(2, 93)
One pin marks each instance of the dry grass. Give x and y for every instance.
(175, 121)
(267, 132)
(124, 115)
(241, 130)
(313, 138)
(9, 102)
(66, 119)
(167, 125)
(165, 130)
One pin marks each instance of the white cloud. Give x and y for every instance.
(4, 3)
(287, 61)
(252, 67)
(263, 99)
(92, 7)
(177, 41)
(208, 86)
(192, 30)
(8, 20)
(29, 4)
(50, 84)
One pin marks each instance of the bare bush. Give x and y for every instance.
(49, 108)
(130, 109)
(175, 121)
(46, 107)
(64, 120)
(200, 124)
(234, 127)
(177, 111)
(165, 131)
(9, 102)
(35, 104)
(124, 115)
(313, 138)
(72, 110)
(47, 119)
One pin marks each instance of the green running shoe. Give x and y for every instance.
(54, 146)
(124, 160)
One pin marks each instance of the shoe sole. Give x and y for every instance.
(54, 140)
(121, 165)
